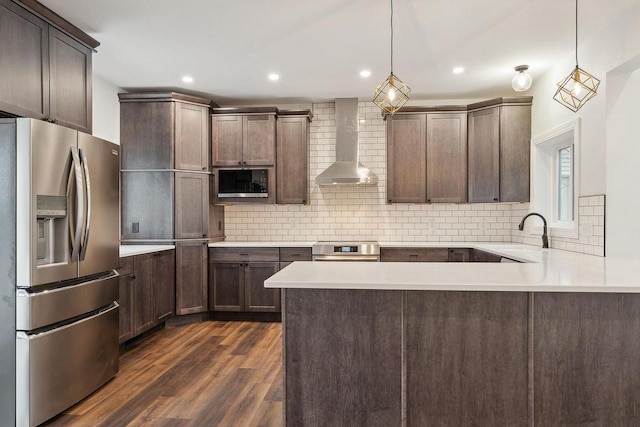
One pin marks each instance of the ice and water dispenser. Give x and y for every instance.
(52, 229)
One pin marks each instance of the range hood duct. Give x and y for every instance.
(347, 169)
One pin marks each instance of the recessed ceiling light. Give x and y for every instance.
(458, 70)
(274, 77)
(365, 73)
(187, 79)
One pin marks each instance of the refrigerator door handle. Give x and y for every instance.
(76, 234)
(87, 177)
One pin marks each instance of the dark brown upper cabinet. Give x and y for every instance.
(243, 139)
(164, 131)
(484, 155)
(293, 160)
(447, 158)
(499, 150)
(406, 165)
(46, 73)
(191, 205)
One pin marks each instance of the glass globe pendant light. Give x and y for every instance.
(392, 93)
(522, 81)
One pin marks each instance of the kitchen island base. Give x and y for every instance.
(415, 358)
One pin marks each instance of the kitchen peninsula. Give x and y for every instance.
(550, 341)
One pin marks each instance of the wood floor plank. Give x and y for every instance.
(203, 374)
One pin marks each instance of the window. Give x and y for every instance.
(564, 198)
(555, 179)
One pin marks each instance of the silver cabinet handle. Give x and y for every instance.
(76, 234)
(85, 166)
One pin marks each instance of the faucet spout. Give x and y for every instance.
(545, 238)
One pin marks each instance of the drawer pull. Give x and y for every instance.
(244, 254)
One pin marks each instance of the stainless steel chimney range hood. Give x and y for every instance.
(347, 169)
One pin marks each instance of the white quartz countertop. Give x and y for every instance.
(130, 250)
(544, 270)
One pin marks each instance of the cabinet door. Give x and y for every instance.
(70, 81)
(293, 160)
(146, 135)
(484, 155)
(259, 140)
(414, 255)
(125, 301)
(143, 306)
(447, 158)
(257, 297)
(226, 140)
(515, 151)
(24, 61)
(191, 277)
(165, 284)
(226, 286)
(406, 164)
(192, 205)
(192, 137)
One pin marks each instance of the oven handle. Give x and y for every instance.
(346, 258)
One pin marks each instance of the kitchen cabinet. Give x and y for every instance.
(164, 130)
(477, 255)
(499, 150)
(167, 205)
(414, 254)
(446, 158)
(243, 139)
(459, 255)
(406, 165)
(191, 277)
(237, 276)
(147, 292)
(293, 160)
(191, 205)
(46, 74)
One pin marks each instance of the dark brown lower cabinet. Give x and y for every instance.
(191, 277)
(164, 273)
(143, 301)
(239, 286)
(440, 358)
(126, 303)
(147, 289)
(585, 353)
(342, 352)
(466, 358)
(414, 254)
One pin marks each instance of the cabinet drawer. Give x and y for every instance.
(295, 254)
(244, 254)
(126, 266)
(414, 254)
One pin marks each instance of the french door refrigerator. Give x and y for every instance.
(65, 252)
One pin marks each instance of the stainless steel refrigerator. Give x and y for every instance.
(60, 198)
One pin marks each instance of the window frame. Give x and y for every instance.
(545, 179)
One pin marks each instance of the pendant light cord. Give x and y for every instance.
(576, 33)
(392, 36)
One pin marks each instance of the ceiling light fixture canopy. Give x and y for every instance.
(522, 81)
(392, 93)
(578, 87)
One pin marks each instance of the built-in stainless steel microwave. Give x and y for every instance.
(243, 183)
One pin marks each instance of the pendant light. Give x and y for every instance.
(522, 81)
(392, 93)
(579, 86)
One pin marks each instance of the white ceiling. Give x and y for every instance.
(319, 47)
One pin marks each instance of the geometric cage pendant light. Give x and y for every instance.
(391, 94)
(578, 87)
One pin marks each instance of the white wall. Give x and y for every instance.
(623, 170)
(106, 110)
(598, 54)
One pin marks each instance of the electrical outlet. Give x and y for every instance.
(135, 227)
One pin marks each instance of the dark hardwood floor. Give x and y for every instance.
(204, 374)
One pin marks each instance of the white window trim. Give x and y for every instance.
(543, 180)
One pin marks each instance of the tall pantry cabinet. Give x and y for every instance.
(166, 182)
